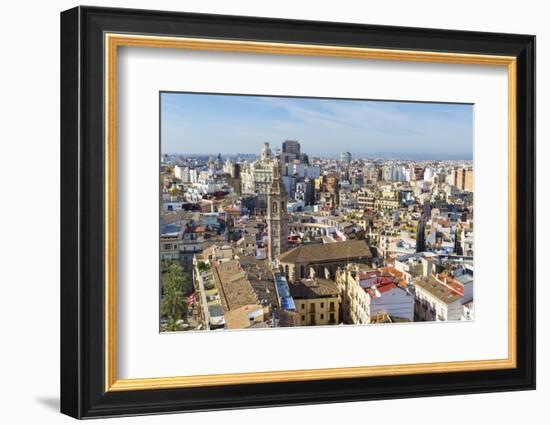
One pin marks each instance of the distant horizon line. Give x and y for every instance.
(354, 155)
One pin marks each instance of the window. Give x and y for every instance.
(331, 308)
(331, 317)
(322, 305)
(303, 318)
(303, 306)
(322, 316)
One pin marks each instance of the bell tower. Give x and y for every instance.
(277, 221)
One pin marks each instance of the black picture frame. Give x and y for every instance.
(82, 218)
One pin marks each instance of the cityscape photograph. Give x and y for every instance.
(299, 211)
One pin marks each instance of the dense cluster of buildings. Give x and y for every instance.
(288, 239)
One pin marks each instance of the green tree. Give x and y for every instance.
(173, 304)
(202, 266)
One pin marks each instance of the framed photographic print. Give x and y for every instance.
(261, 212)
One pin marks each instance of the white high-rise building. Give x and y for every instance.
(345, 157)
(429, 174)
(182, 173)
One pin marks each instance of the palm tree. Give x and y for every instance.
(173, 305)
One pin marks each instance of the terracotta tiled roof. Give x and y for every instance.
(233, 285)
(452, 283)
(313, 288)
(364, 275)
(386, 287)
(437, 289)
(337, 251)
(195, 229)
(383, 285)
(393, 272)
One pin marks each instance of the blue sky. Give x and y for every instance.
(229, 124)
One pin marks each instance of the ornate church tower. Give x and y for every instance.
(277, 221)
(421, 231)
(266, 154)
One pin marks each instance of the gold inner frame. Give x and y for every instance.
(113, 41)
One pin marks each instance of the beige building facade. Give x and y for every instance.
(317, 302)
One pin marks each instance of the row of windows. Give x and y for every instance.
(168, 246)
(312, 306)
(312, 318)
